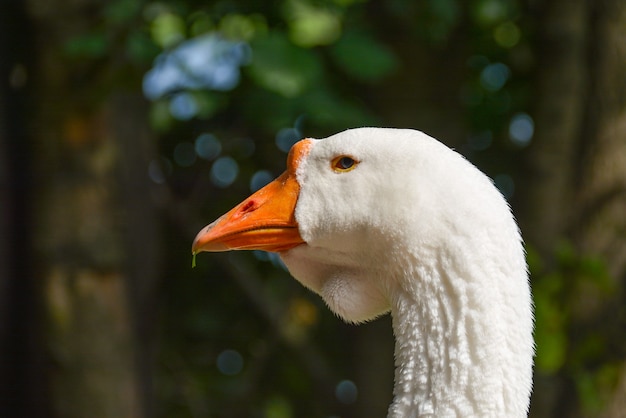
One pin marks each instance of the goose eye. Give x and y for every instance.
(343, 163)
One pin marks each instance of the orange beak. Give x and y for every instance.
(264, 221)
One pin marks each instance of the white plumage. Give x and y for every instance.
(414, 229)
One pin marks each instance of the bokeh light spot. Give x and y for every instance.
(494, 76)
(224, 171)
(487, 12)
(310, 26)
(229, 362)
(346, 392)
(159, 170)
(278, 407)
(286, 137)
(207, 146)
(507, 34)
(521, 129)
(183, 106)
(260, 179)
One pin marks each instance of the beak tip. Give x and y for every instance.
(200, 243)
(205, 242)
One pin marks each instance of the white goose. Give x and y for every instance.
(377, 220)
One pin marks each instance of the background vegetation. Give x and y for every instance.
(127, 125)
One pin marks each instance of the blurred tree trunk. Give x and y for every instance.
(95, 235)
(577, 187)
(22, 385)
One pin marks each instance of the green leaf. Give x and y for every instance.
(312, 25)
(551, 351)
(93, 45)
(363, 57)
(550, 331)
(279, 66)
(594, 387)
(507, 34)
(160, 118)
(208, 103)
(269, 110)
(534, 260)
(242, 27)
(566, 254)
(278, 407)
(445, 11)
(140, 48)
(120, 11)
(168, 29)
(200, 23)
(334, 111)
(490, 12)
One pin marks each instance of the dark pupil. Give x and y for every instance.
(346, 162)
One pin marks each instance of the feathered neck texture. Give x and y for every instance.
(463, 349)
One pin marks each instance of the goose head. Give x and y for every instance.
(388, 220)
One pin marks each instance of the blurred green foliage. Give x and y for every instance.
(316, 67)
(570, 292)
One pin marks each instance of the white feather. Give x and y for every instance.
(417, 230)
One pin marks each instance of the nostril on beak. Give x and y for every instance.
(250, 206)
